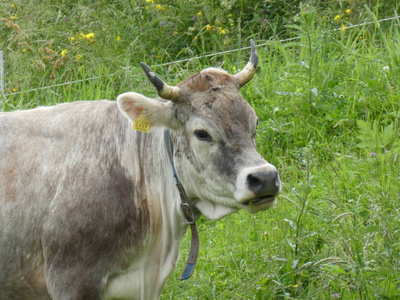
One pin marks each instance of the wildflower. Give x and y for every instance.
(13, 5)
(118, 38)
(13, 17)
(348, 11)
(372, 154)
(24, 50)
(336, 296)
(196, 38)
(199, 13)
(208, 27)
(64, 52)
(72, 39)
(233, 68)
(160, 24)
(158, 6)
(222, 30)
(150, 1)
(147, 7)
(386, 68)
(90, 36)
(343, 27)
(230, 16)
(79, 57)
(14, 90)
(202, 3)
(336, 18)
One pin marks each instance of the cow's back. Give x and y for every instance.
(66, 200)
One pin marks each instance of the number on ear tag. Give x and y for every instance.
(141, 123)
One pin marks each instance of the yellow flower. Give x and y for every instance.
(64, 52)
(196, 38)
(336, 18)
(12, 17)
(79, 57)
(118, 38)
(233, 68)
(90, 36)
(24, 50)
(199, 13)
(150, 1)
(158, 6)
(13, 5)
(72, 39)
(202, 3)
(343, 27)
(14, 90)
(222, 30)
(348, 11)
(230, 16)
(208, 27)
(147, 7)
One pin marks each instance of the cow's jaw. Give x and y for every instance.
(214, 211)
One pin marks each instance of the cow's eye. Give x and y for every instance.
(202, 135)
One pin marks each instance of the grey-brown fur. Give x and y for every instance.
(66, 201)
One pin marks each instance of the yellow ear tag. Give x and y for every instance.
(141, 123)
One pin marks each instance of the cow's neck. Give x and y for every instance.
(150, 167)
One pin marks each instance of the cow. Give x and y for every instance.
(89, 207)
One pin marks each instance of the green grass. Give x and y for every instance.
(329, 106)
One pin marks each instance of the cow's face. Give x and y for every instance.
(213, 131)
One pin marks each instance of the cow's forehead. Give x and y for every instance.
(214, 95)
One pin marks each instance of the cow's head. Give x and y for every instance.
(213, 130)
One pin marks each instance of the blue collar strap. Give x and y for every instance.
(187, 212)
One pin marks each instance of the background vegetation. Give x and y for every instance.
(328, 97)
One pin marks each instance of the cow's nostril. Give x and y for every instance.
(256, 182)
(263, 183)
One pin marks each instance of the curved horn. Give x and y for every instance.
(164, 90)
(248, 72)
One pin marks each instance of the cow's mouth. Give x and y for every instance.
(260, 200)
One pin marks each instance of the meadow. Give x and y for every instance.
(326, 92)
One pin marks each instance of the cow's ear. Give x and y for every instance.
(158, 112)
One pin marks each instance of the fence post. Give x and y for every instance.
(2, 95)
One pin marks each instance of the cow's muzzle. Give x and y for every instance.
(258, 185)
(264, 184)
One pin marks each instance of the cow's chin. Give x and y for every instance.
(256, 206)
(214, 211)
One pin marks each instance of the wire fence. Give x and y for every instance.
(175, 61)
